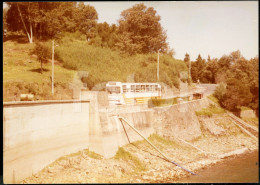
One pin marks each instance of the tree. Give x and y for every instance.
(237, 95)
(197, 69)
(188, 64)
(187, 59)
(42, 53)
(85, 17)
(140, 30)
(4, 22)
(23, 16)
(107, 34)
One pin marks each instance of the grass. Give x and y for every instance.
(93, 155)
(76, 154)
(156, 138)
(127, 156)
(245, 108)
(209, 111)
(165, 102)
(21, 74)
(75, 54)
(214, 99)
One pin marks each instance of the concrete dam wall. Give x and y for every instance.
(38, 133)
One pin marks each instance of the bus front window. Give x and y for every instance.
(113, 90)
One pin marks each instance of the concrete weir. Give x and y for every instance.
(37, 133)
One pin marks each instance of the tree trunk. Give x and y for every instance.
(41, 67)
(29, 37)
(40, 31)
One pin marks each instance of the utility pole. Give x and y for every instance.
(52, 80)
(189, 70)
(158, 67)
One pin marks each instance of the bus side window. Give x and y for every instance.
(124, 88)
(138, 88)
(132, 88)
(152, 88)
(156, 88)
(142, 88)
(147, 88)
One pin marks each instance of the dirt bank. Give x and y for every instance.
(139, 162)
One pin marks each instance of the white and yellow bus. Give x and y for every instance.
(132, 93)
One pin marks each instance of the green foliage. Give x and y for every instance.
(214, 99)
(238, 94)
(105, 64)
(21, 74)
(204, 112)
(48, 19)
(156, 138)
(209, 111)
(220, 91)
(197, 69)
(127, 156)
(42, 53)
(244, 108)
(162, 102)
(93, 155)
(140, 31)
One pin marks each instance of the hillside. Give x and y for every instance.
(21, 70)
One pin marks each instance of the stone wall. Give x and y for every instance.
(180, 120)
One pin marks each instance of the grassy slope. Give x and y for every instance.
(22, 76)
(74, 55)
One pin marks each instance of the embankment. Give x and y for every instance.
(37, 133)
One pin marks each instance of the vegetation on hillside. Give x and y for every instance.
(237, 78)
(123, 52)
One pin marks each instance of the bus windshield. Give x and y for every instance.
(113, 89)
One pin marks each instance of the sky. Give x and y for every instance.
(207, 28)
(214, 28)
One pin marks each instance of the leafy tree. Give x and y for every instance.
(237, 95)
(140, 30)
(48, 19)
(85, 17)
(4, 21)
(23, 16)
(197, 69)
(212, 68)
(187, 59)
(107, 34)
(42, 53)
(220, 92)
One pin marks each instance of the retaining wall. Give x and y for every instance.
(37, 133)
(106, 130)
(180, 120)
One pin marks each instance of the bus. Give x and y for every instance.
(120, 93)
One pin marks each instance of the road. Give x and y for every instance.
(210, 88)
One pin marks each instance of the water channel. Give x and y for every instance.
(238, 169)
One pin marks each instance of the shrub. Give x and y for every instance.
(204, 112)
(125, 155)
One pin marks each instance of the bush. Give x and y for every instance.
(204, 112)
(162, 102)
(220, 91)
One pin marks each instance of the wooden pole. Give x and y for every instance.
(158, 67)
(52, 80)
